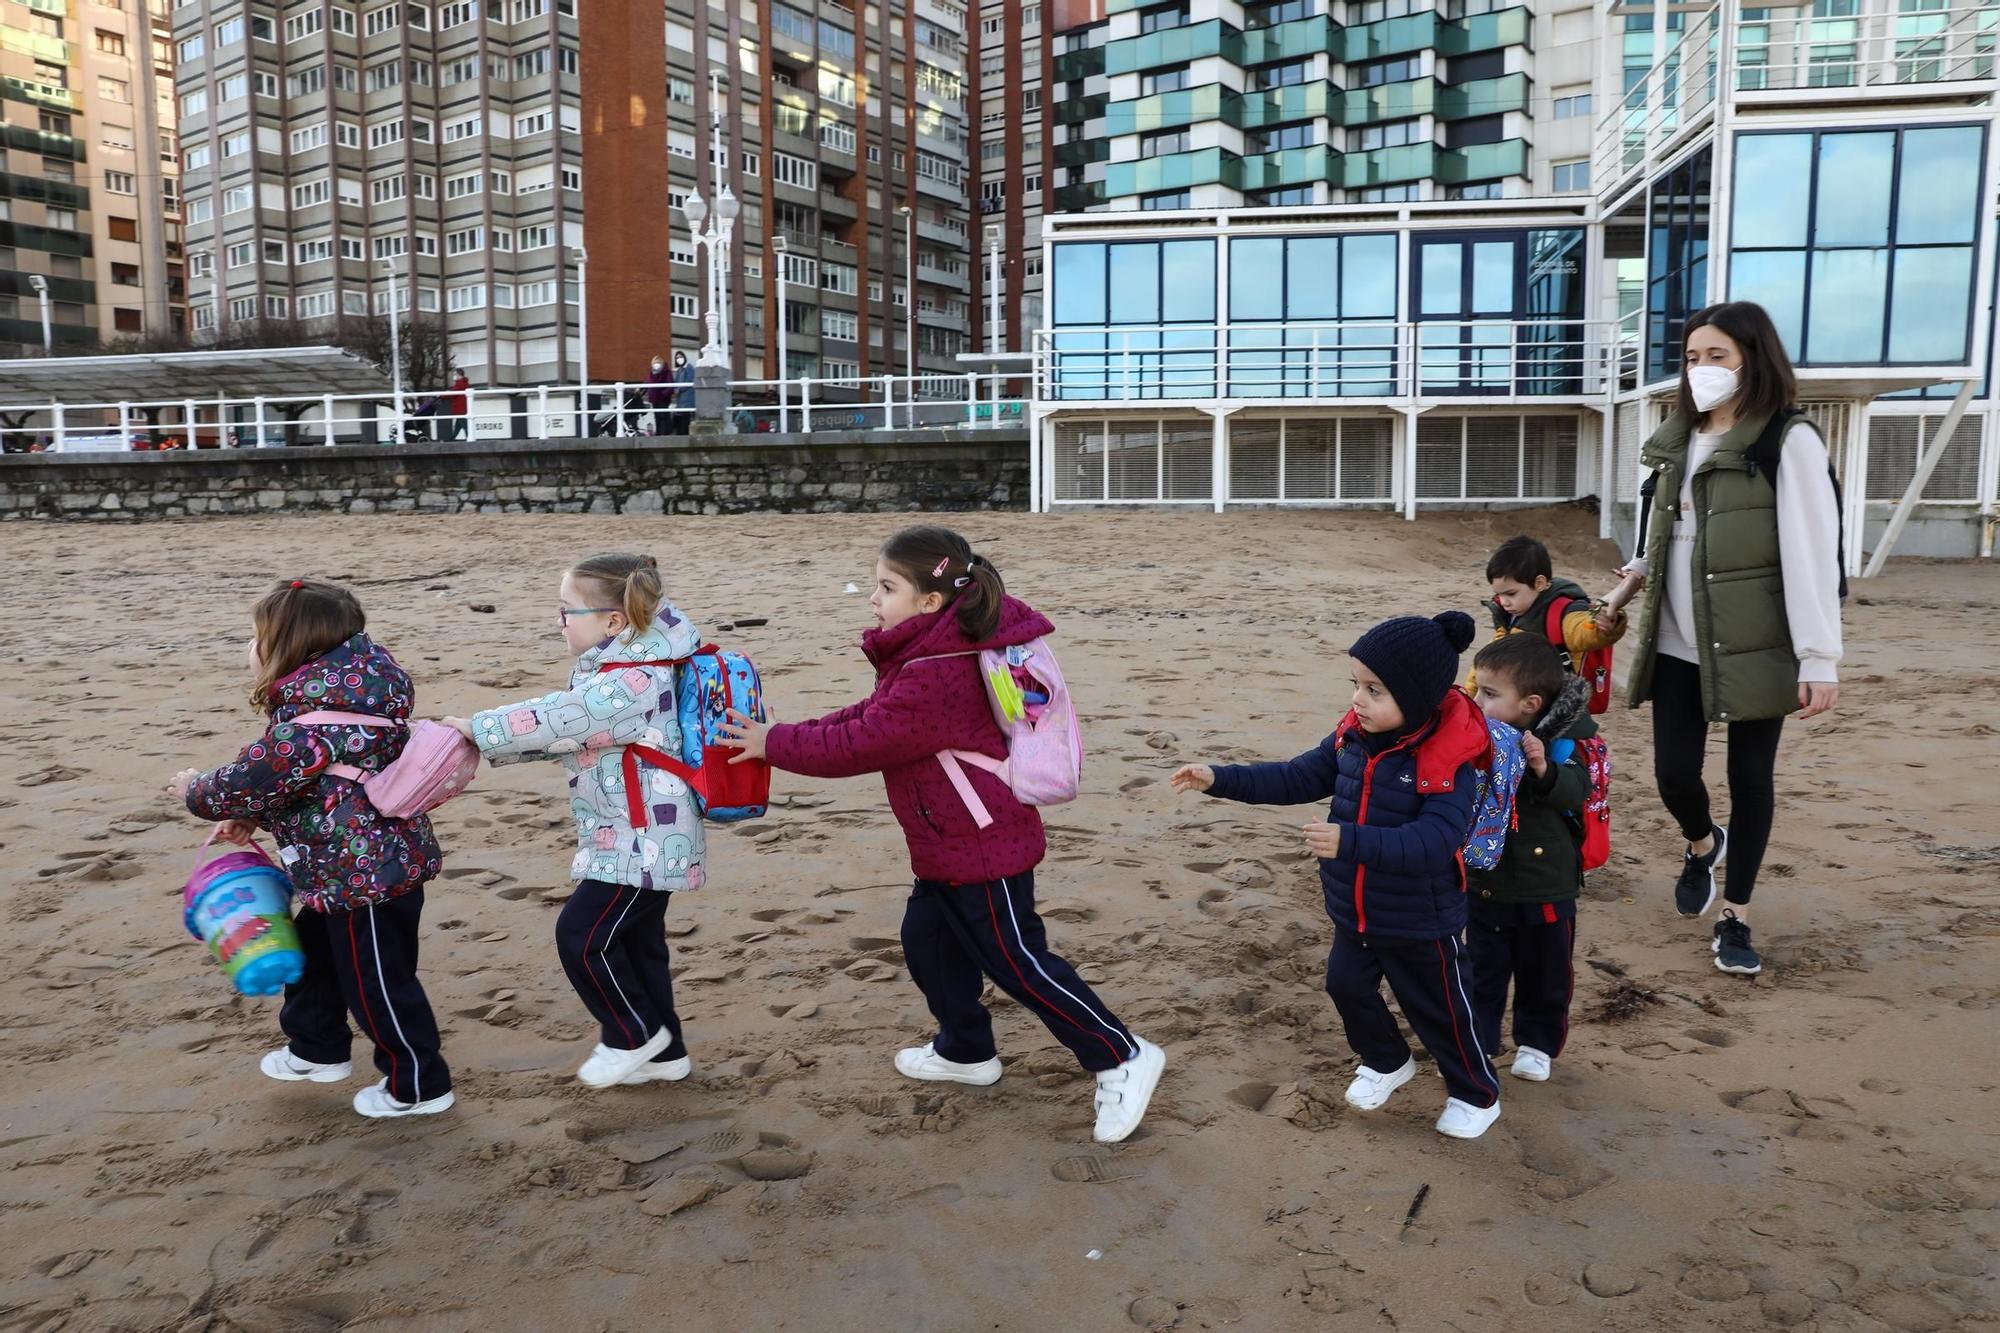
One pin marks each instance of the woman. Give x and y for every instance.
(683, 396)
(1742, 619)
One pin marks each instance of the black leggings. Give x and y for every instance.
(1680, 736)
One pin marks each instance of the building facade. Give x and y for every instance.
(89, 194)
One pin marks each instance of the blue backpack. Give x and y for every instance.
(710, 682)
(1493, 790)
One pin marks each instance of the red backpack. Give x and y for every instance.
(1595, 817)
(1594, 666)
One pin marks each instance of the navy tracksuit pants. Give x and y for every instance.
(1429, 982)
(1532, 946)
(363, 964)
(612, 939)
(955, 936)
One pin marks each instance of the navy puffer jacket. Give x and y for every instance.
(1403, 812)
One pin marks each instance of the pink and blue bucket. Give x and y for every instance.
(239, 904)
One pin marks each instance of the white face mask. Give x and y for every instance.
(1712, 386)
(659, 365)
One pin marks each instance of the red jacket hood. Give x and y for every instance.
(1454, 737)
(938, 633)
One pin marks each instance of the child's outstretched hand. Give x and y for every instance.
(1536, 753)
(178, 788)
(1193, 777)
(1324, 840)
(747, 734)
(457, 724)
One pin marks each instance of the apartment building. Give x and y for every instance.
(89, 189)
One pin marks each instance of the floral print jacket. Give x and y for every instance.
(339, 850)
(587, 727)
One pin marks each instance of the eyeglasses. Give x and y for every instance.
(563, 613)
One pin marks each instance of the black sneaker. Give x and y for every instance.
(1732, 946)
(1696, 890)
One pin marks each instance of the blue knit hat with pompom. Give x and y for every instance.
(1417, 659)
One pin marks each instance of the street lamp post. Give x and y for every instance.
(778, 247)
(909, 304)
(41, 286)
(715, 236)
(395, 344)
(993, 289)
(582, 339)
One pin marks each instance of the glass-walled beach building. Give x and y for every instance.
(1832, 160)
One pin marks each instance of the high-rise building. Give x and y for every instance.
(839, 132)
(89, 194)
(335, 153)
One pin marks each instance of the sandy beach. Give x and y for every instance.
(1815, 1149)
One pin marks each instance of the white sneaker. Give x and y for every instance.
(282, 1065)
(661, 1071)
(1463, 1120)
(609, 1066)
(923, 1062)
(1370, 1090)
(1531, 1065)
(377, 1104)
(1124, 1093)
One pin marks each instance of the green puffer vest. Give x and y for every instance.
(1749, 670)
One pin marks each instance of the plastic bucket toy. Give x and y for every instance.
(240, 905)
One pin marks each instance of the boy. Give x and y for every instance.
(1400, 770)
(1525, 590)
(1522, 926)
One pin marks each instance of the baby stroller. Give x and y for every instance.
(634, 417)
(421, 425)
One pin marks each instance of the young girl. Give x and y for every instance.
(971, 915)
(1399, 769)
(359, 875)
(611, 935)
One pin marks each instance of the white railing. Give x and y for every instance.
(546, 412)
(1330, 361)
(1879, 47)
(1673, 100)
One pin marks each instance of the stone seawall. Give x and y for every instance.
(871, 471)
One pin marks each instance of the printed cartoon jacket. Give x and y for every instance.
(340, 851)
(918, 709)
(1543, 859)
(1403, 811)
(587, 727)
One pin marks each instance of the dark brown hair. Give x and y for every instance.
(1768, 384)
(296, 622)
(1525, 660)
(939, 560)
(1522, 559)
(632, 581)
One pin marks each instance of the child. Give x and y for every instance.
(1400, 770)
(1525, 590)
(1523, 911)
(611, 935)
(971, 914)
(359, 874)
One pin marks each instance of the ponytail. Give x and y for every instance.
(939, 560)
(632, 581)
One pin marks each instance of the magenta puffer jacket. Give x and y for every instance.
(919, 709)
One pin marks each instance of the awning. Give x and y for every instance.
(269, 372)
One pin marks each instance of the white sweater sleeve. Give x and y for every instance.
(1808, 547)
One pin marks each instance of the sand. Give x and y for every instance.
(1815, 1149)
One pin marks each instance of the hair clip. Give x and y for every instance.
(942, 565)
(297, 584)
(960, 583)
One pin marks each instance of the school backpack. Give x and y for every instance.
(436, 764)
(1493, 792)
(1594, 666)
(711, 682)
(1769, 451)
(1032, 705)
(1594, 819)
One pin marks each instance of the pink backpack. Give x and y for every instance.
(1031, 702)
(436, 764)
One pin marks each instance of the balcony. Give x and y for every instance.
(1081, 110)
(1418, 32)
(1483, 97)
(1169, 111)
(1389, 101)
(48, 144)
(1281, 106)
(1083, 152)
(1176, 171)
(40, 94)
(1174, 46)
(1487, 32)
(1079, 198)
(1291, 41)
(1074, 65)
(1388, 166)
(1293, 166)
(1483, 162)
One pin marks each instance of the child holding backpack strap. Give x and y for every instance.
(1527, 597)
(359, 874)
(634, 849)
(1521, 927)
(971, 916)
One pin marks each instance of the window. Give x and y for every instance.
(1280, 137)
(1376, 11)
(1389, 194)
(1162, 143)
(536, 294)
(194, 103)
(391, 247)
(534, 122)
(388, 189)
(1375, 73)
(465, 127)
(386, 133)
(680, 90)
(503, 240)
(934, 166)
(427, 244)
(243, 307)
(193, 48)
(1162, 17)
(501, 182)
(111, 43)
(233, 88)
(263, 29)
(306, 139)
(1571, 103)
(465, 241)
(1170, 199)
(350, 248)
(307, 81)
(1572, 177)
(532, 64)
(457, 13)
(1167, 80)
(274, 252)
(241, 254)
(1391, 134)
(315, 252)
(1270, 13)
(539, 237)
(201, 264)
(378, 21)
(466, 296)
(463, 70)
(1285, 198)
(686, 307)
(310, 193)
(462, 187)
(236, 200)
(197, 157)
(681, 252)
(385, 75)
(305, 25)
(1478, 190)
(265, 85)
(347, 134)
(841, 278)
(119, 182)
(794, 171)
(572, 178)
(1880, 268)
(199, 209)
(317, 305)
(354, 303)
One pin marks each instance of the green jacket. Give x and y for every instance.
(1543, 859)
(1749, 670)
